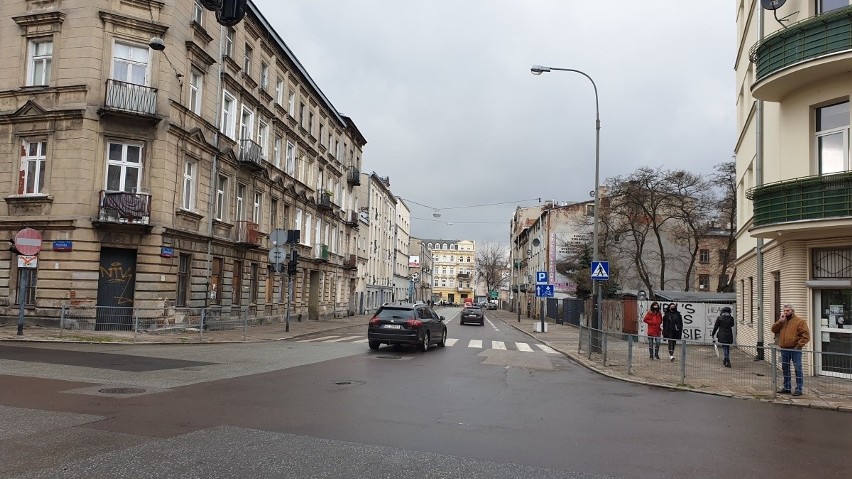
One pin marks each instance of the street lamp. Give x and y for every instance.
(538, 70)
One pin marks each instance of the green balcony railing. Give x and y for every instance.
(805, 40)
(809, 198)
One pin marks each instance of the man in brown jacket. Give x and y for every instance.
(793, 335)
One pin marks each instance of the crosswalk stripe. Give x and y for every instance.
(475, 343)
(451, 341)
(547, 349)
(498, 345)
(316, 339)
(524, 347)
(347, 338)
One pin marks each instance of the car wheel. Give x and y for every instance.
(374, 345)
(424, 345)
(443, 339)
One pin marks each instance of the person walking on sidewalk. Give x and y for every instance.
(653, 318)
(723, 333)
(793, 336)
(672, 327)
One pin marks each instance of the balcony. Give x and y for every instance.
(352, 219)
(129, 100)
(246, 234)
(251, 154)
(810, 205)
(324, 200)
(793, 57)
(351, 262)
(353, 177)
(465, 276)
(321, 252)
(122, 209)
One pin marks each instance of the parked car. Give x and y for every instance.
(406, 323)
(491, 306)
(472, 314)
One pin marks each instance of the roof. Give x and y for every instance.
(695, 296)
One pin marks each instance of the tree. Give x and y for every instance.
(690, 205)
(492, 265)
(725, 180)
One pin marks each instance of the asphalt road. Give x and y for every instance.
(329, 407)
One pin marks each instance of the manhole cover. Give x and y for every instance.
(389, 357)
(121, 390)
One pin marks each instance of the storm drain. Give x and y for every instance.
(121, 390)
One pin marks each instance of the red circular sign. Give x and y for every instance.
(28, 242)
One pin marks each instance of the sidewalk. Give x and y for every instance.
(705, 377)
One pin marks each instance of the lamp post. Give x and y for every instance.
(596, 290)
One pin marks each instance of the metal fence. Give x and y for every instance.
(695, 365)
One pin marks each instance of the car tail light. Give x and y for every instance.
(374, 321)
(413, 323)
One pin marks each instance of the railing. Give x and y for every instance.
(352, 218)
(809, 198)
(353, 177)
(246, 233)
(324, 200)
(463, 276)
(130, 97)
(351, 262)
(321, 251)
(808, 39)
(124, 207)
(251, 153)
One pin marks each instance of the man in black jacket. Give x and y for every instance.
(724, 326)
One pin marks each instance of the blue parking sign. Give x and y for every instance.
(541, 277)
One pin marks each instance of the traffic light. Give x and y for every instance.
(211, 4)
(231, 12)
(293, 263)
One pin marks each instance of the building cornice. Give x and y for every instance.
(133, 23)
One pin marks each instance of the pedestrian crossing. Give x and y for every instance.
(478, 344)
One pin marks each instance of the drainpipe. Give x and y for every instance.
(758, 174)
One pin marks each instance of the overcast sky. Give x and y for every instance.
(442, 91)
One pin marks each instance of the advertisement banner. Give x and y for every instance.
(414, 261)
(698, 318)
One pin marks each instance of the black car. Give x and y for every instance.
(406, 323)
(472, 314)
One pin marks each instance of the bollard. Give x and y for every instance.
(62, 321)
(629, 354)
(135, 323)
(774, 373)
(201, 326)
(683, 362)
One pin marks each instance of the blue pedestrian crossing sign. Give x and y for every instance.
(541, 277)
(544, 290)
(600, 270)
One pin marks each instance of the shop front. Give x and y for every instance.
(831, 290)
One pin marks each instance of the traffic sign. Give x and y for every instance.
(277, 255)
(541, 277)
(544, 290)
(28, 242)
(27, 261)
(278, 237)
(600, 270)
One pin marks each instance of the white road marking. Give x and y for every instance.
(475, 343)
(316, 339)
(524, 347)
(498, 345)
(547, 349)
(451, 341)
(347, 338)
(361, 341)
(493, 326)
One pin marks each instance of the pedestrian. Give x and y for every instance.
(723, 333)
(672, 327)
(793, 335)
(654, 319)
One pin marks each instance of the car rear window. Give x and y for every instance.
(395, 313)
(473, 308)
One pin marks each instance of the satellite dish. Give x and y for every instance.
(772, 4)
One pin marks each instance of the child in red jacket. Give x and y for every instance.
(654, 318)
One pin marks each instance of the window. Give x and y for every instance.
(188, 199)
(262, 135)
(130, 64)
(229, 43)
(221, 197)
(33, 161)
(237, 283)
(307, 235)
(198, 14)
(297, 224)
(723, 256)
(246, 124)
(832, 136)
(41, 57)
(311, 123)
(273, 212)
(279, 92)
(302, 114)
(30, 295)
(183, 279)
(241, 199)
(257, 206)
(290, 168)
(247, 60)
(215, 292)
(704, 282)
(825, 6)
(229, 114)
(276, 152)
(291, 105)
(321, 130)
(196, 83)
(704, 256)
(264, 76)
(124, 167)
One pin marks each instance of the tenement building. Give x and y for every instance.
(156, 152)
(794, 187)
(453, 269)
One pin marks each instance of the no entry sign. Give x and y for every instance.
(28, 242)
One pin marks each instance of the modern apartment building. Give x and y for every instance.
(453, 269)
(793, 88)
(156, 170)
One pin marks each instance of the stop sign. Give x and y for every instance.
(28, 242)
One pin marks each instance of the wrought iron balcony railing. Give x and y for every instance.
(246, 233)
(352, 262)
(352, 219)
(251, 153)
(131, 98)
(808, 198)
(124, 207)
(324, 200)
(353, 177)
